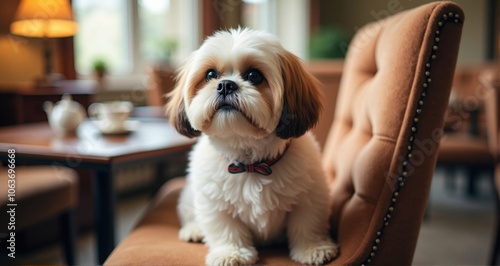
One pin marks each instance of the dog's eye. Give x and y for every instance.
(254, 77)
(211, 74)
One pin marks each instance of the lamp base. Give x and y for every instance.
(49, 80)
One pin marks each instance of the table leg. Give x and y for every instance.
(159, 177)
(104, 209)
(474, 122)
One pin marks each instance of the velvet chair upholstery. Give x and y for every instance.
(379, 156)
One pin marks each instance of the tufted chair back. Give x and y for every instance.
(381, 151)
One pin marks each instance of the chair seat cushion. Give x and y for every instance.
(155, 239)
(464, 149)
(40, 192)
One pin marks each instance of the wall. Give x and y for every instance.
(21, 59)
(353, 14)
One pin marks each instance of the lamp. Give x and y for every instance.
(44, 19)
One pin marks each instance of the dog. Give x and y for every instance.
(254, 175)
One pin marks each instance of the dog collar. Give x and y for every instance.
(263, 167)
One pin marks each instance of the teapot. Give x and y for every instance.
(65, 116)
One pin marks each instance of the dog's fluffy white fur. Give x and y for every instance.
(271, 103)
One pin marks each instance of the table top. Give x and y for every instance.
(74, 87)
(146, 138)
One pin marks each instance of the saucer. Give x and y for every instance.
(128, 127)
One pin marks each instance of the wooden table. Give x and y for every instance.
(149, 141)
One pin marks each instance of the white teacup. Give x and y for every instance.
(111, 116)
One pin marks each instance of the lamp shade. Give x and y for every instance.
(44, 19)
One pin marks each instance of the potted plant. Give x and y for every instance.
(100, 68)
(328, 42)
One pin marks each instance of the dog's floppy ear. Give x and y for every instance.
(175, 107)
(301, 98)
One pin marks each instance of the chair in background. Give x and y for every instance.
(379, 156)
(328, 73)
(465, 143)
(161, 82)
(491, 80)
(43, 192)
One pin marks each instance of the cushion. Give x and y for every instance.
(41, 192)
(462, 148)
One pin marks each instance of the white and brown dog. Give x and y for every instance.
(255, 176)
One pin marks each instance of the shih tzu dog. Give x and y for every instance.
(255, 176)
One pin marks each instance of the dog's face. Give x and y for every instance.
(244, 83)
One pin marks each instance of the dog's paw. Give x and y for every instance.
(315, 253)
(191, 233)
(231, 256)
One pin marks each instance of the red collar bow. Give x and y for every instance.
(263, 167)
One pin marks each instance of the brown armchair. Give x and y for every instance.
(465, 143)
(491, 80)
(40, 193)
(380, 154)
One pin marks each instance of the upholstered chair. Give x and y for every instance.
(379, 156)
(491, 80)
(161, 82)
(464, 146)
(41, 193)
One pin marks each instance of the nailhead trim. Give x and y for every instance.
(414, 129)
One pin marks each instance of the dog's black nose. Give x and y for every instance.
(226, 87)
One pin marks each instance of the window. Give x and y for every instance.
(153, 29)
(258, 14)
(130, 35)
(287, 19)
(102, 34)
